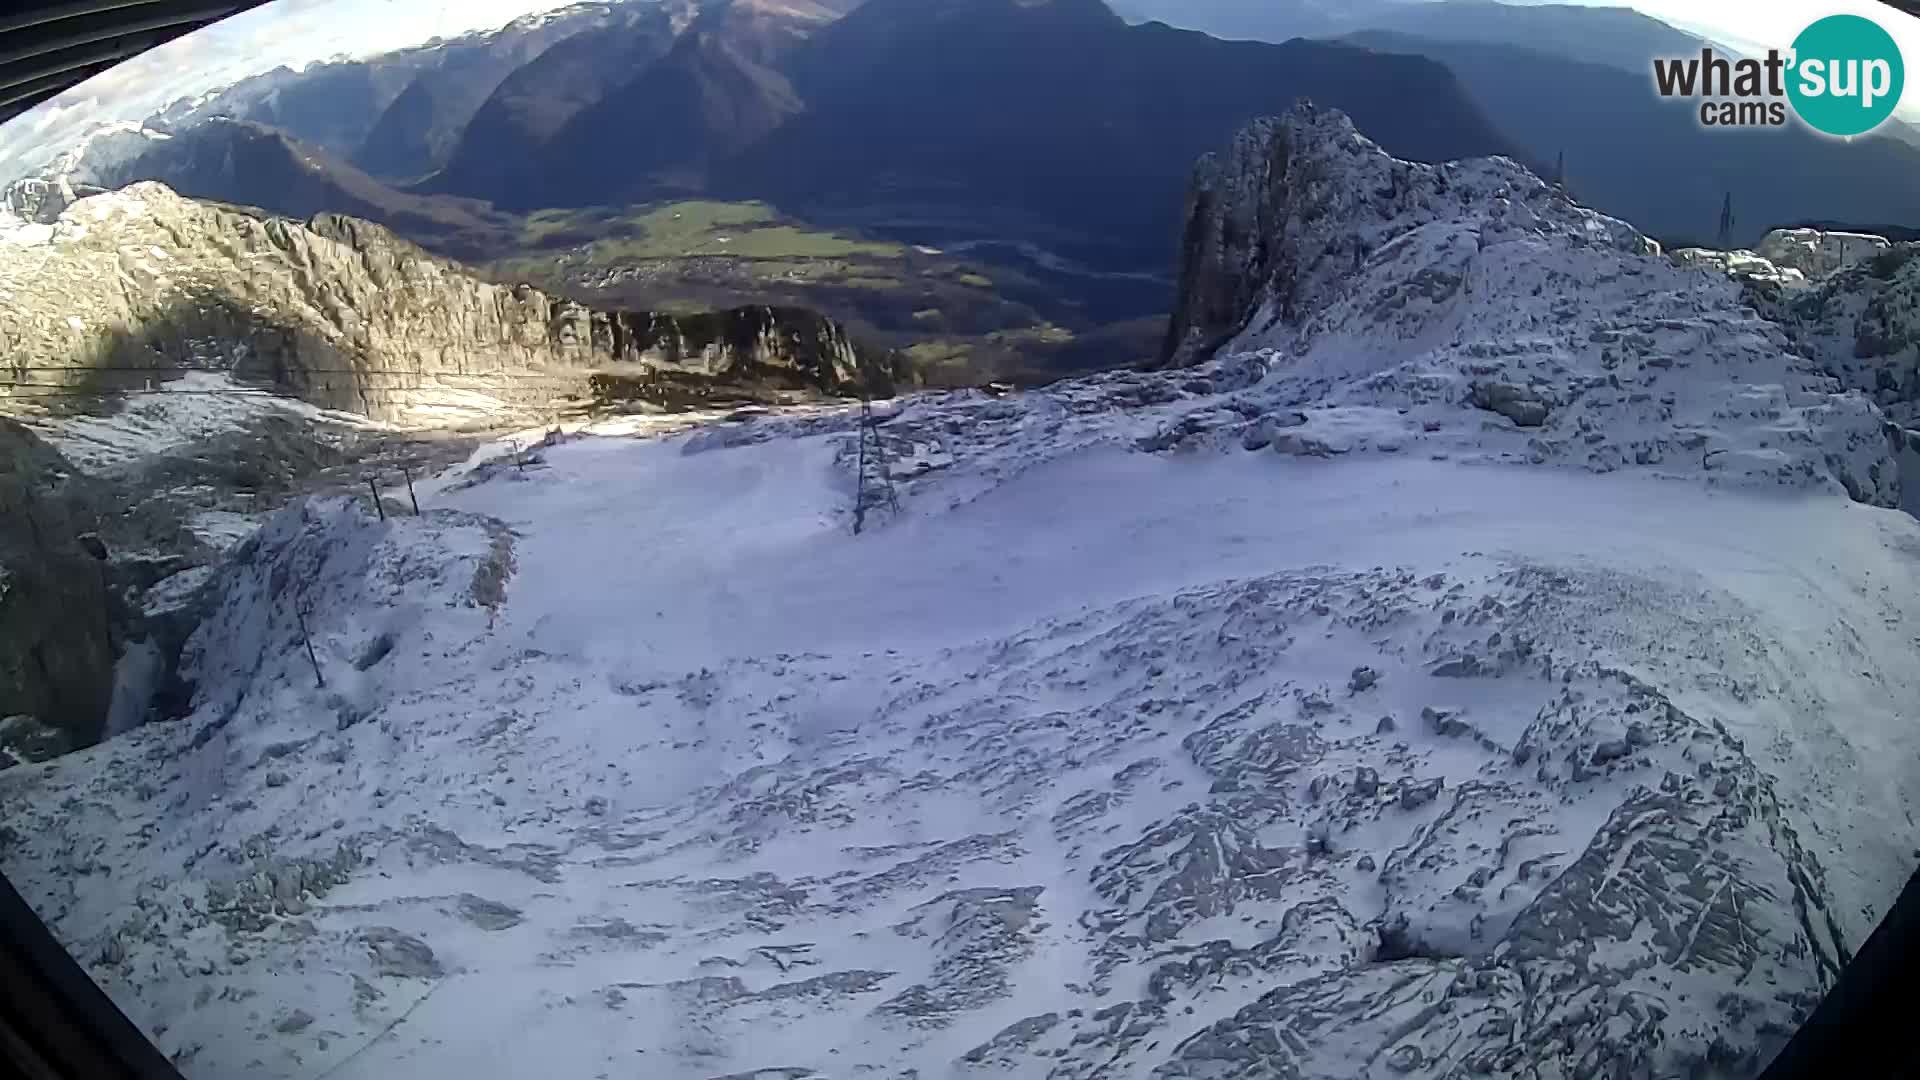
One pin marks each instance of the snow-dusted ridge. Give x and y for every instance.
(1388, 294)
(1336, 708)
(83, 168)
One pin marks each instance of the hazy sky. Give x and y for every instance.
(1754, 26)
(296, 32)
(290, 32)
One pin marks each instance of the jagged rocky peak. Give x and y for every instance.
(345, 314)
(1474, 308)
(1297, 204)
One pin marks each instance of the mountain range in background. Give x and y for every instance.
(978, 118)
(418, 129)
(1648, 160)
(1572, 80)
(1057, 118)
(1045, 139)
(1259, 20)
(330, 105)
(996, 183)
(1050, 120)
(534, 103)
(659, 128)
(396, 114)
(227, 161)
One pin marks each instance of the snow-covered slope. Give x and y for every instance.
(1388, 294)
(1220, 722)
(1864, 323)
(1855, 315)
(191, 407)
(1100, 772)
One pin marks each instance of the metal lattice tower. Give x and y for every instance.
(873, 482)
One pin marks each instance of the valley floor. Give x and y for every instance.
(637, 762)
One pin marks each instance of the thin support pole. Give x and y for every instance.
(300, 613)
(860, 474)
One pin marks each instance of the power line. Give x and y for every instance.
(422, 385)
(425, 380)
(381, 393)
(183, 371)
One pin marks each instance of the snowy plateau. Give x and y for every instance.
(1496, 660)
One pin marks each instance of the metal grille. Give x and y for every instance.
(47, 47)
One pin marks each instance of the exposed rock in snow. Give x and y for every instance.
(1787, 259)
(1743, 266)
(1859, 322)
(1862, 324)
(25, 740)
(1298, 714)
(1817, 254)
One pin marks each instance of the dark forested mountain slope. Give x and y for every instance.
(1058, 113)
(501, 154)
(417, 132)
(717, 91)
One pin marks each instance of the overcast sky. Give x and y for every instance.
(297, 32)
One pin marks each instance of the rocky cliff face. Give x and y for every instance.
(128, 286)
(1389, 291)
(56, 648)
(691, 358)
(1286, 219)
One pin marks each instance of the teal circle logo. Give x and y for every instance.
(1847, 75)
